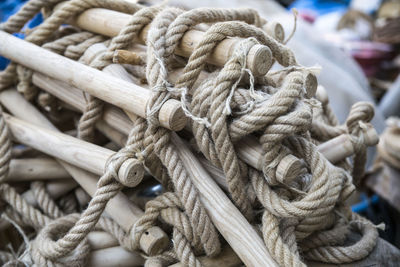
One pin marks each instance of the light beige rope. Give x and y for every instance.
(305, 217)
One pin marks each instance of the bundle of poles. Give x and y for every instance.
(72, 164)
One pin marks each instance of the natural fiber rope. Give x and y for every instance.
(306, 217)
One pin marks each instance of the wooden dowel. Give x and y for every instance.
(55, 189)
(100, 240)
(111, 133)
(82, 154)
(109, 23)
(275, 29)
(151, 243)
(35, 169)
(248, 148)
(114, 256)
(104, 86)
(122, 210)
(334, 150)
(227, 258)
(236, 230)
(342, 146)
(74, 97)
(82, 197)
(127, 57)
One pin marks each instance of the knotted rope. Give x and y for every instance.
(303, 216)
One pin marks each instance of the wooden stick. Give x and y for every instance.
(125, 213)
(115, 256)
(82, 154)
(227, 258)
(127, 57)
(73, 96)
(35, 169)
(151, 243)
(240, 235)
(99, 240)
(275, 29)
(111, 133)
(248, 148)
(109, 23)
(106, 87)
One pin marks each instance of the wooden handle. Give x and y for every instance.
(114, 256)
(252, 252)
(99, 240)
(109, 23)
(276, 30)
(241, 236)
(248, 148)
(35, 169)
(227, 258)
(112, 115)
(334, 150)
(106, 87)
(127, 57)
(121, 210)
(82, 154)
(77, 152)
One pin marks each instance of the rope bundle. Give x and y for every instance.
(301, 215)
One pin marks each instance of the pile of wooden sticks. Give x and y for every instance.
(76, 163)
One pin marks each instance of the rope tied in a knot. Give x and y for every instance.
(46, 252)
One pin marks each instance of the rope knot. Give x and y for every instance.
(46, 251)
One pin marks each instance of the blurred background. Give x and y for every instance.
(356, 44)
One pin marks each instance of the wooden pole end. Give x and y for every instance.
(259, 60)
(322, 95)
(131, 172)
(172, 115)
(371, 136)
(288, 169)
(311, 85)
(154, 241)
(275, 29)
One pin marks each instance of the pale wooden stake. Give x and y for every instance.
(114, 256)
(156, 240)
(99, 240)
(275, 29)
(109, 23)
(248, 148)
(35, 169)
(104, 86)
(233, 226)
(227, 258)
(82, 154)
(238, 232)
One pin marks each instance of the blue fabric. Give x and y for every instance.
(365, 203)
(321, 7)
(8, 8)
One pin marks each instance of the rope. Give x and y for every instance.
(304, 217)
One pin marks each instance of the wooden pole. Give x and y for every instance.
(239, 233)
(112, 115)
(233, 226)
(104, 86)
(35, 169)
(99, 240)
(114, 256)
(248, 148)
(156, 240)
(109, 23)
(82, 154)
(227, 258)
